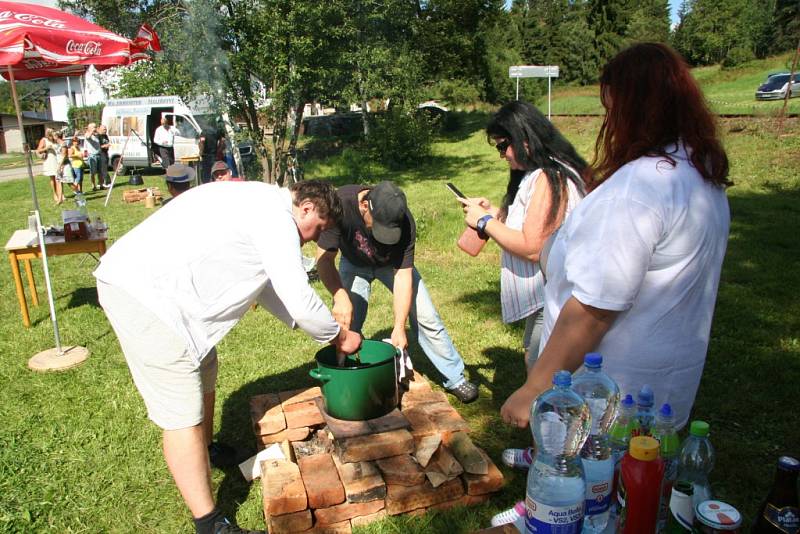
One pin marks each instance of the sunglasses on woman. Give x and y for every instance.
(502, 146)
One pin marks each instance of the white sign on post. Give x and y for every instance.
(534, 71)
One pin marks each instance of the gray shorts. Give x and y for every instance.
(167, 377)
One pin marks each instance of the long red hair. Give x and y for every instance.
(652, 102)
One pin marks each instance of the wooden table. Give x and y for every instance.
(24, 245)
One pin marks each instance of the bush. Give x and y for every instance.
(456, 92)
(398, 137)
(79, 117)
(737, 56)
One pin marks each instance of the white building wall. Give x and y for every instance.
(64, 94)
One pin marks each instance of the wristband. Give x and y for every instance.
(481, 226)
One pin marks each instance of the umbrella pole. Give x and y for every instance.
(52, 359)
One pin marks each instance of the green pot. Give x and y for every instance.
(358, 391)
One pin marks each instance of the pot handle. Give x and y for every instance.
(322, 377)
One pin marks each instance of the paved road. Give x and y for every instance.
(19, 173)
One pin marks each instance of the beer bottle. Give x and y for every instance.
(680, 515)
(780, 513)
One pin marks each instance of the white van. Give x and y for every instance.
(132, 122)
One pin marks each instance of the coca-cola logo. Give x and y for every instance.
(35, 20)
(89, 48)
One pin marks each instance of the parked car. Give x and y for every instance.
(775, 87)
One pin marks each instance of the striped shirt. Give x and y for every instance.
(521, 280)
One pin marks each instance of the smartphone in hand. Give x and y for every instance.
(453, 189)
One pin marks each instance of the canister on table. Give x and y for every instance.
(717, 517)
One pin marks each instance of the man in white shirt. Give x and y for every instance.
(178, 282)
(91, 148)
(164, 139)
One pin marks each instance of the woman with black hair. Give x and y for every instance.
(545, 184)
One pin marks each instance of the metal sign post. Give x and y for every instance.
(535, 71)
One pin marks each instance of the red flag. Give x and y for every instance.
(147, 38)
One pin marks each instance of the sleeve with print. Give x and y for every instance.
(609, 252)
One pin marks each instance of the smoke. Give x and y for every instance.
(205, 54)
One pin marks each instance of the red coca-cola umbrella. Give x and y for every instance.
(41, 42)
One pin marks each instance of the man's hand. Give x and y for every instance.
(399, 338)
(347, 342)
(342, 309)
(516, 411)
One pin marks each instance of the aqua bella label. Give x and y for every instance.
(545, 519)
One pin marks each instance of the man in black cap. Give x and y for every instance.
(179, 179)
(376, 235)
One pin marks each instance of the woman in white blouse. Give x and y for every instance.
(545, 183)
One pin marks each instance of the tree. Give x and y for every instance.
(649, 22)
(723, 31)
(609, 20)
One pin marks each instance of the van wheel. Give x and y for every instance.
(123, 170)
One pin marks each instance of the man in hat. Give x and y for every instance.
(377, 235)
(162, 290)
(220, 172)
(179, 179)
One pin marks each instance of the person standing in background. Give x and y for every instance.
(208, 153)
(105, 143)
(164, 139)
(76, 160)
(91, 152)
(48, 150)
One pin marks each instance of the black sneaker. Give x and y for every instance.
(466, 392)
(221, 455)
(225, 527)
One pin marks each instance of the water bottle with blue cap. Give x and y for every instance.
(602, 396)
(560, 423)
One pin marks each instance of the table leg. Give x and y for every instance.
(31, 282)
(23, 304)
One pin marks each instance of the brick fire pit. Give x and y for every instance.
(341, 474)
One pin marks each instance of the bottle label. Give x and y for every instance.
(544, 519)
(598, 496)
(786, 519)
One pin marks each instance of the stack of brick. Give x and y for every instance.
(137, 195)
(341, 474)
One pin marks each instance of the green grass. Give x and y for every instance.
(77, 453)
(12, 160)
(727, 91)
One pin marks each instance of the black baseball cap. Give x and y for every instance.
(387, 205)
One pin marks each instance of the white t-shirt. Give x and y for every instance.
(648, 243)
(200, 262)
(164, 137)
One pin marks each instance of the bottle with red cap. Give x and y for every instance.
(639, 487)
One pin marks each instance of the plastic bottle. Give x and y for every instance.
(80, 202)
(560, 421)
(670, 449)
(620, 435)
(602, 395)
(645, 417)
(697, 461)
(640, 487)
(780, 512)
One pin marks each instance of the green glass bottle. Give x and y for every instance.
(681, 510)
